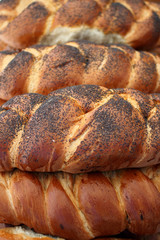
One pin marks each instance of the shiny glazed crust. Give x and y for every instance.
(42, 69)
(24, 23)
(80, 129)
(82, 206)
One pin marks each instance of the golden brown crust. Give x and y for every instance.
(19, 233)
(137, 22)
(82, 206)
(14, 234)
(26, 29)
(156, 51)
(8, 4)
(80, 128)
(43, 69)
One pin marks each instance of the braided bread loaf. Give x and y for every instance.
(19, 233)
(82, 206)
(44, 69)
(80, 128)
(24, 23)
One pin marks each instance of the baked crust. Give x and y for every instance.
(80, 128)
(25, 23)
(42, 69)
(82, 206)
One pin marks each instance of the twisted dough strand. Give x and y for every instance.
(44, 69)
(24, 23)
(80, 128)
(82, 206)
(19, 233)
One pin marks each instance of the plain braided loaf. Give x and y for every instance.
(83, 206)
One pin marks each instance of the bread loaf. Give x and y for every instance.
(19, 233)
(80, 128)
(24, 23)
(82, 206)
(44, 69)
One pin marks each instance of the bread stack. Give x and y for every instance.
(79, 119)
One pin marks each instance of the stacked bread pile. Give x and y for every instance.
(79, 121)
